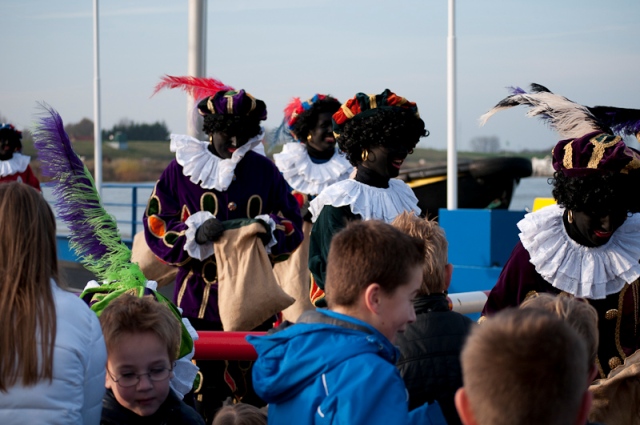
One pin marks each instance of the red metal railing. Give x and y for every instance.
(218, 345)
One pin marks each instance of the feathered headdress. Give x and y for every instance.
(284, 133)
(94, 233)
(196, 87)
(589, 145)
(569, 119)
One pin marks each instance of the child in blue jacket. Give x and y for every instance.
(337, 366)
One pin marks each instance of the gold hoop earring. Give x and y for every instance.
(364, 155)
(308, 138)
(570, 216)
(211, 138)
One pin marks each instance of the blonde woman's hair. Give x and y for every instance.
(435, 255)
(28, 263)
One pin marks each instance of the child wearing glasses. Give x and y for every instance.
(142, 338)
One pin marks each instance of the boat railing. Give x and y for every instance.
(124, 201)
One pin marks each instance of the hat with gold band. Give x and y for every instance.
(232, 102)
(363, 105)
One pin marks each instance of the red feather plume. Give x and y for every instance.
(295, 105)
(197, 87)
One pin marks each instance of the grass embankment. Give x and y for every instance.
(145, 161)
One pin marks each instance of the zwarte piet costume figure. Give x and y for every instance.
(309, 163)
(14, 166)
(588, 245)
(210, 191)
(376, 132)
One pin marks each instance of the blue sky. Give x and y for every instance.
(588, 51)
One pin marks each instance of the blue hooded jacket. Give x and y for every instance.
(333, 369)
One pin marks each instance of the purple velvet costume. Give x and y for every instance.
(257, 188)
(619, 331)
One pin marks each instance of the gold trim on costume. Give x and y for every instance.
(253, 102)
(229, 103)
(600, 369)
(373, 104)
(210, 106)
(153, 196)
(619, 321)
(567, 160)
(183, 288)
(215, 201)
(347, 111)
(249, 205)
(178, 234)
(598, 150)
(205, 300)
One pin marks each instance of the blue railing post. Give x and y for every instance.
(134, 210)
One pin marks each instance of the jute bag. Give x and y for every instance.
(294, 277)
(616, 399)
(152, 267)
(248, 293)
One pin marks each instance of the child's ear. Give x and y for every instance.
(462, 406)
(448, 273)
(372, 295)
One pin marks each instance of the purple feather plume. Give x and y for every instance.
(77, 200)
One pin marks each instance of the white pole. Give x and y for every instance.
(196, 52)
(97, 132)
(452, 154)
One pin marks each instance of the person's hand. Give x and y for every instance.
(209, 231)
(264, 237)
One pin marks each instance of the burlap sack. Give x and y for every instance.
(152, 267)
(294, 277)
(248, 293)
(616, 399)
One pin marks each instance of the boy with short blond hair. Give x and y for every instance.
(578, 313)
(524, 367)
(143, 338)
(337, 365)
(431, 346)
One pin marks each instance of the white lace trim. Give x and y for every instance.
(206, 169)
(579, 270)
(17, 164)
(193, 248)
(304, 175)
(367, 201)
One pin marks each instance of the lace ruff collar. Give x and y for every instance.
(304, 175)
(206, 169)
(367, 201)
(579, 270)
(17, 164)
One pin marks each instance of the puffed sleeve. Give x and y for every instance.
(163, 228)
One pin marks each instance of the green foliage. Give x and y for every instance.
(138, 131)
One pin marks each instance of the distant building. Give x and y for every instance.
(118, 141)
(542, 166)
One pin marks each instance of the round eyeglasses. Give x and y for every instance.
(132, 379)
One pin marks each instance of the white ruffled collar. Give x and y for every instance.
(206, 169)
(582, 271)
(367, 201)
(304, 175)
(17, 164)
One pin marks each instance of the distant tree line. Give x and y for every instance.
(83, 130)
(138, 131)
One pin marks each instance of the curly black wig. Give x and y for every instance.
(598, 194)
(308, 119)
(13, 136)
(386, 127)
(232, 125)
